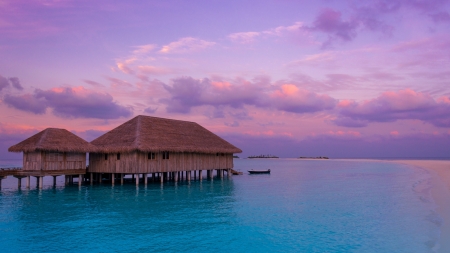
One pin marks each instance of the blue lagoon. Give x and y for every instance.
(302, 206)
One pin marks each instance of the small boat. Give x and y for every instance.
(259, 171)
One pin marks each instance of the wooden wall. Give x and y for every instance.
(138, 162)
(53, 161)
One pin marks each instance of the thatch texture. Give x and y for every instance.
(152, 134)
(53, 139)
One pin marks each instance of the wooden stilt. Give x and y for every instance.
(54, 181)
(100, 178)
(37, 181)
(28, 182)
(188, 175)
(91, 178)
(1, 178)
(41, 182)
(19, 182)
(145, 178)
(113, 178)
(137, 179)
(121, 178)
(175, 178)
(162, 178)
(80, 179)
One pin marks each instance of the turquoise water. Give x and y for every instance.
(302, 206)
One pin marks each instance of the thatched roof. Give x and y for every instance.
(152, 134)
(53, 139)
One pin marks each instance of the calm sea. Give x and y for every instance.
(302, 206)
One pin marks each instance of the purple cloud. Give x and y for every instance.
(330, 21)
(70, 103)
(150, 110)
(27, 102)
(16, 83)
(440, 17)
(392, 106)
(187, 92)
(3, 83)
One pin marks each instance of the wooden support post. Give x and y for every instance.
(175, 177)
(19, 182)
(188, 175)
(154, 177)
(145, 178)
(80, 179)
(200, 175)
(91, 178)
(100, 178)
(28, 182)
(54, 181)
(121, 178)
(1, 178)
(162, 177)
(37, 181)
(132, 177)
(113, 178)
(41, 182)
(137, 179)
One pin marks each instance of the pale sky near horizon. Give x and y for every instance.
(293, 78)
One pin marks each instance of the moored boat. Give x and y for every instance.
(259, 171)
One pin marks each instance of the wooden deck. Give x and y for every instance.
(40, 173)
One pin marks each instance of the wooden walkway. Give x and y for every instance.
(39, 173)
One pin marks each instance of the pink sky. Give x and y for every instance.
(291, 78)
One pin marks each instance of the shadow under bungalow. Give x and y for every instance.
(147, 148)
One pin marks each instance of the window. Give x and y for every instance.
(106, 156)
(151, 156)
(118, 156)
(165, 155)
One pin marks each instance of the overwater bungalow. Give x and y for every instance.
(160, 146)
(52, 152)
(164, 148)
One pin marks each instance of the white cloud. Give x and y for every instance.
(186, 45)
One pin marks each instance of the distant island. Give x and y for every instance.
(317, 157)
(235, 156)
(263, 156)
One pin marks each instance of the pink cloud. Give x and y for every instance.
(186, 45)
(187, 92)
(244, 37)
(392, 106)
(153, 70)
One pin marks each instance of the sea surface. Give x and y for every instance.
(302, 206)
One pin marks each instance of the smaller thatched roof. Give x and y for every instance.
(53, 139)
(152, 134)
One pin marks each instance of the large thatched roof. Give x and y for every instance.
(53, 139)
(152, 134)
